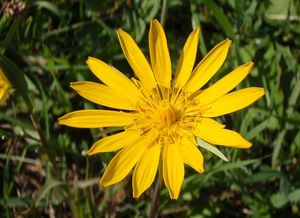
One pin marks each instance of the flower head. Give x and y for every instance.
(4, 86)
(160, 116)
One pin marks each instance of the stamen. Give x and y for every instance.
(166, 115)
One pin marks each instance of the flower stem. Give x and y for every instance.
(36, 124)
(153, 206)
(163, 14)
(43, 139)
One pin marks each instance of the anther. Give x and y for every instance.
(166, 114)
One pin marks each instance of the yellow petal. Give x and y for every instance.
(114, 142)
(234, 101)
(211, 122)
(136, 59)
(96, 119)
(191, 155)
(122, 164)
(226, 84)
(4, 86)
(159, 54)
(113, 78)
(208, 66)
(173, 169)
(145, 170)
(102, 94)
(187, 59)
(3, 93)
(219, 136)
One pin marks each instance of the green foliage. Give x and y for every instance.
(43, 167)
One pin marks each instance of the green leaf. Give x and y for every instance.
(231, 166)
(279, 10)
(87, 183)
(279, 200)
(263, 176)
(221, 17)
(213, 149)
(278, 143)
(294, 196)
(47, 188)
(49, 6)
(12, 30)
(15, 121)
(196, 17)
(16, 202)
(257, 130)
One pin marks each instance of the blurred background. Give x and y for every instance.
(44, 171)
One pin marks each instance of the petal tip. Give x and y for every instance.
(248, 145)
(228, 42)
(249, 65)
(200, 170)
(90, 152)
(174, 196)
(136, 194)
(89, 59)
(61, 120)
(156, 24)
(103, 183)
(155, 21)
(261, 92)
(120, 31)
(196, 32)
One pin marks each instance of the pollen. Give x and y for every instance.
(166, 115)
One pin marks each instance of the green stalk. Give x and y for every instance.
(153, 206)
(163, 14)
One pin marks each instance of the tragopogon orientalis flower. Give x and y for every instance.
(161, 117)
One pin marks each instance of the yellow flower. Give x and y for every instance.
(161, 117)
(4, 87)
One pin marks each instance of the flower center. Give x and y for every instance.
(166, 115)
